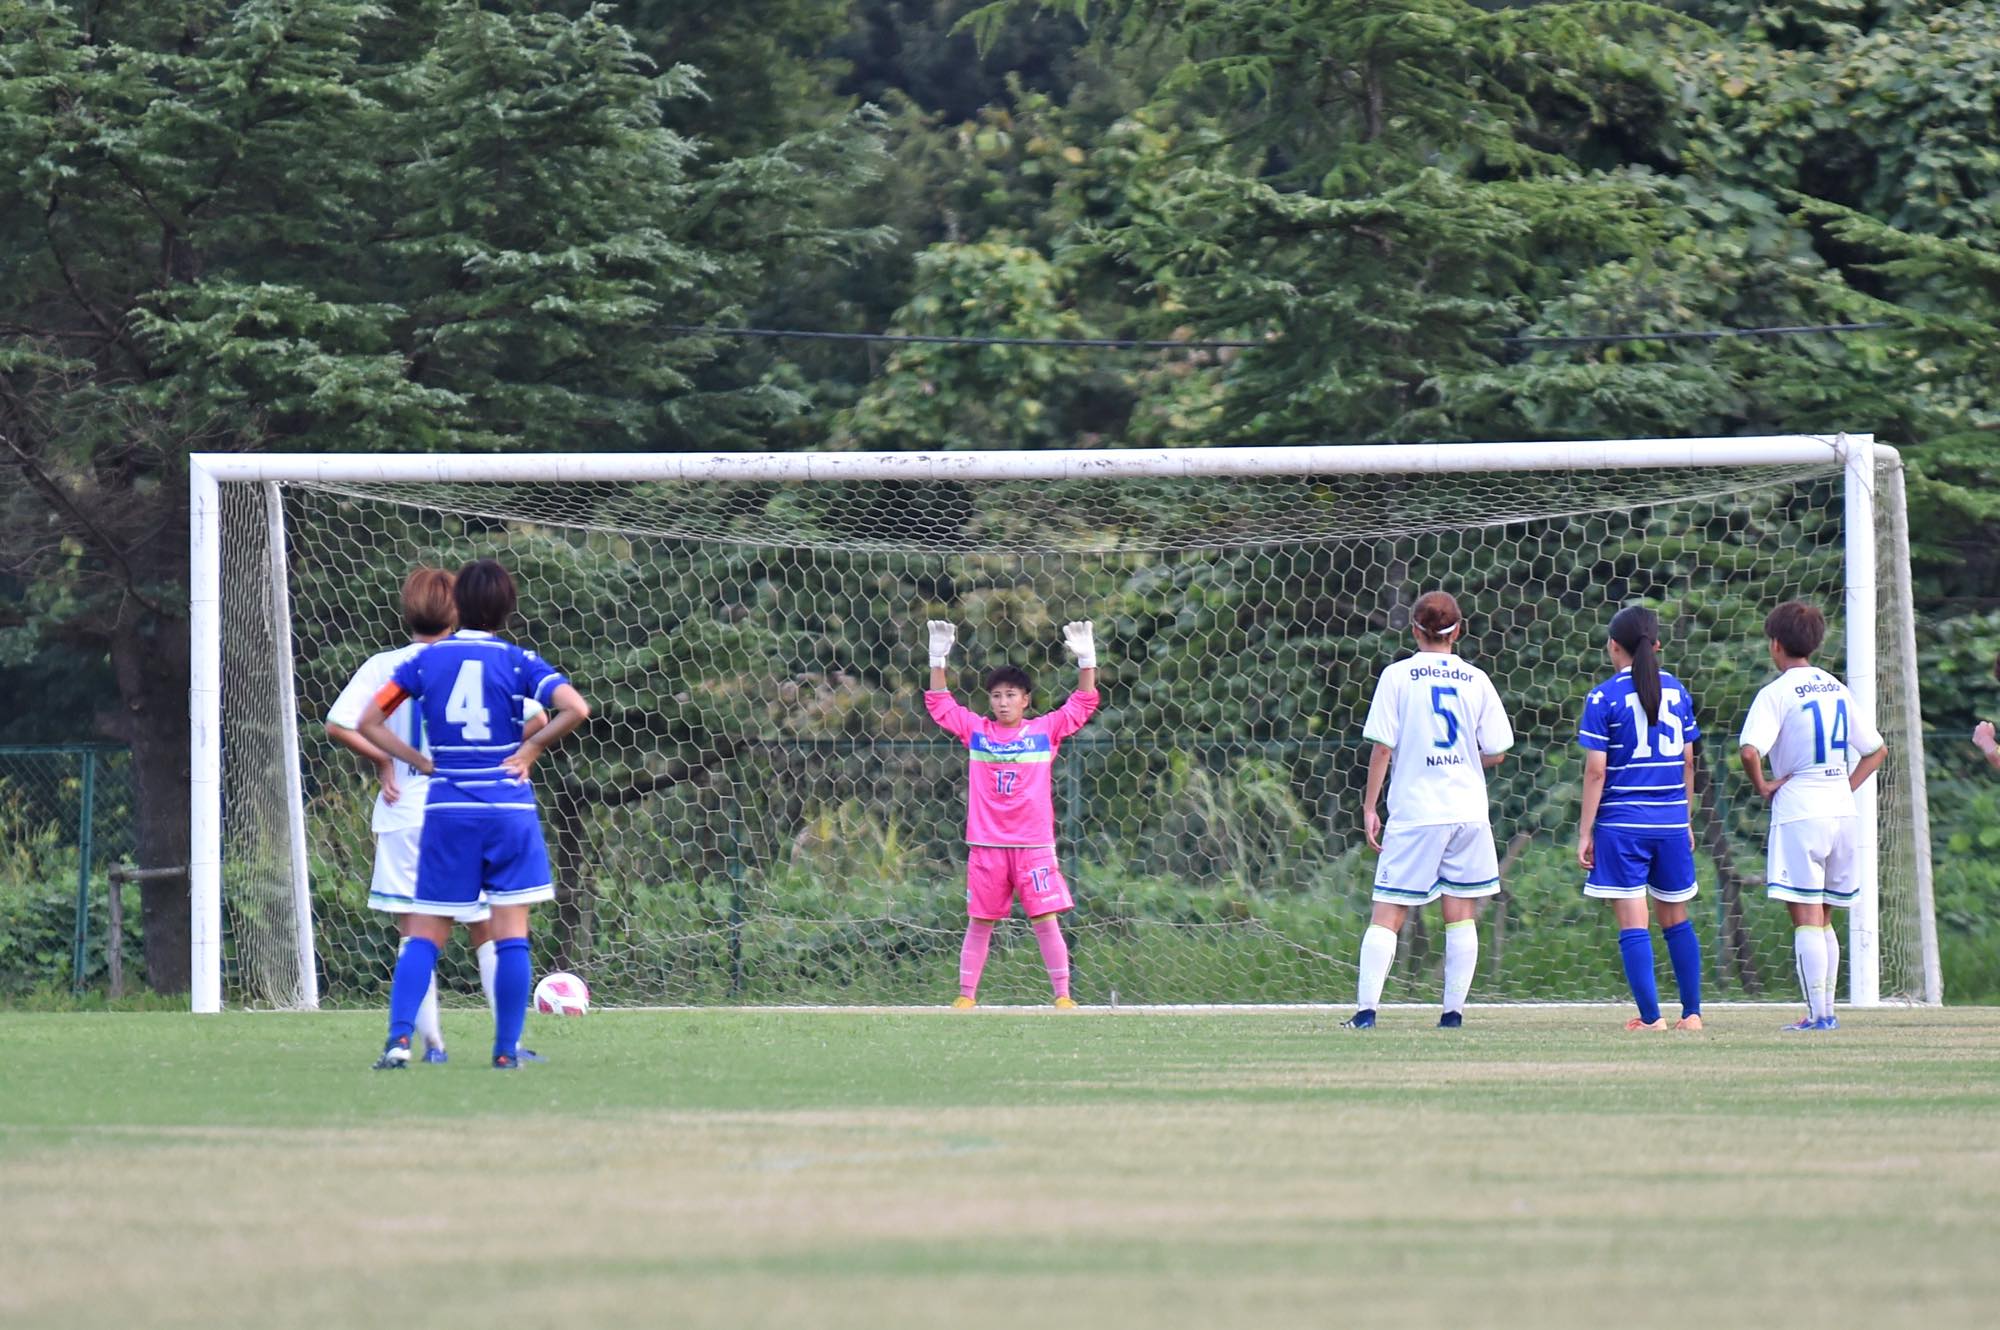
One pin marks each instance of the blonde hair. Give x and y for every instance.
(427, 604)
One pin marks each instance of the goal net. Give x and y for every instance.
(761, 812)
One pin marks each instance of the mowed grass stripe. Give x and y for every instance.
(752, 1168)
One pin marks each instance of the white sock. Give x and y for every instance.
(1809, 948)
(489, 965)
(1378, 952)
(1461, 958)
(1832, 968)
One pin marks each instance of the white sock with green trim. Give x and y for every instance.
(1461, 958)
(1832, 968)
(1809, 949)
(1378, 953)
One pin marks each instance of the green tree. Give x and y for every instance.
(329, 224)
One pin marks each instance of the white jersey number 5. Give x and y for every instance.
(466, 707)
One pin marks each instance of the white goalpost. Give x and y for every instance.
(760, 813)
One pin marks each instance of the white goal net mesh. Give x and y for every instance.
(762, 812)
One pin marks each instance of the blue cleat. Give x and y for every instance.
(395, 1055)
(1808, 1023)
(1451, 1020)
(435, 1055)
(1826, 1023)
(529, 1055)
(506, 1062)
(1360, 1020)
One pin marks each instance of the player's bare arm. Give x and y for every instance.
(1753, 767)
(567, 710)
(1989, 747)
(375, 729)
(1594, 765)
(1866, 767)
(1371, 800)
(385, 766)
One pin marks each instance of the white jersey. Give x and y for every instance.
(1806, 722)
(407, 722)
(1440, 715)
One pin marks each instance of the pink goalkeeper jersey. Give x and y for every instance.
(1008, 801)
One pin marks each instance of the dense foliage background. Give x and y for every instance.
(236, 224)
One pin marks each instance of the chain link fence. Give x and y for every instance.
(68, 816)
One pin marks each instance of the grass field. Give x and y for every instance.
(1539, 1168)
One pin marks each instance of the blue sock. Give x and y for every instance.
(1684, 950)
(414, 967)
(1635, 948)
(512, 978)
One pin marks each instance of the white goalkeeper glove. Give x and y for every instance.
(1077, 636)
(943, 634)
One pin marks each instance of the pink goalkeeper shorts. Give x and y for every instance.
(994, 877)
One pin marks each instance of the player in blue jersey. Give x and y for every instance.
(398, 818)
(1636, 838)
(482, 846)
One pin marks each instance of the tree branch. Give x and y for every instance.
(53, 493)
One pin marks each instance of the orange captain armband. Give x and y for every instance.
(389, 697)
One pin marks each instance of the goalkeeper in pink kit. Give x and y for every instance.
(1010, 821)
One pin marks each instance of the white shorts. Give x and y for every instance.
(394, 888)
(1420, 864)
(1811, 861)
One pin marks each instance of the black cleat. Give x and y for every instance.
(506, 1062)
(395, 1055)
(1451, 1020)
(1360, 1020)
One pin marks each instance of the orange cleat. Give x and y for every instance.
(1636, 1024)
(963, 1003)
(1065, 1004)
(1688, 1022)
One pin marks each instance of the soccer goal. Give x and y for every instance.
(761, 813)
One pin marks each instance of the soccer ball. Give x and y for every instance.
(562, 994)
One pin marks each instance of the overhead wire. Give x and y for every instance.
(1231, 344)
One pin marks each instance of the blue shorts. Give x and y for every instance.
(472, 860)
(1632, 864)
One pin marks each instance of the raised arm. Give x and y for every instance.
(943, 633)
(1079, 635)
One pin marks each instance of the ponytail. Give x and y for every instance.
(1638, 630)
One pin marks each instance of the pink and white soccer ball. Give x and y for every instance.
(562, 994)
